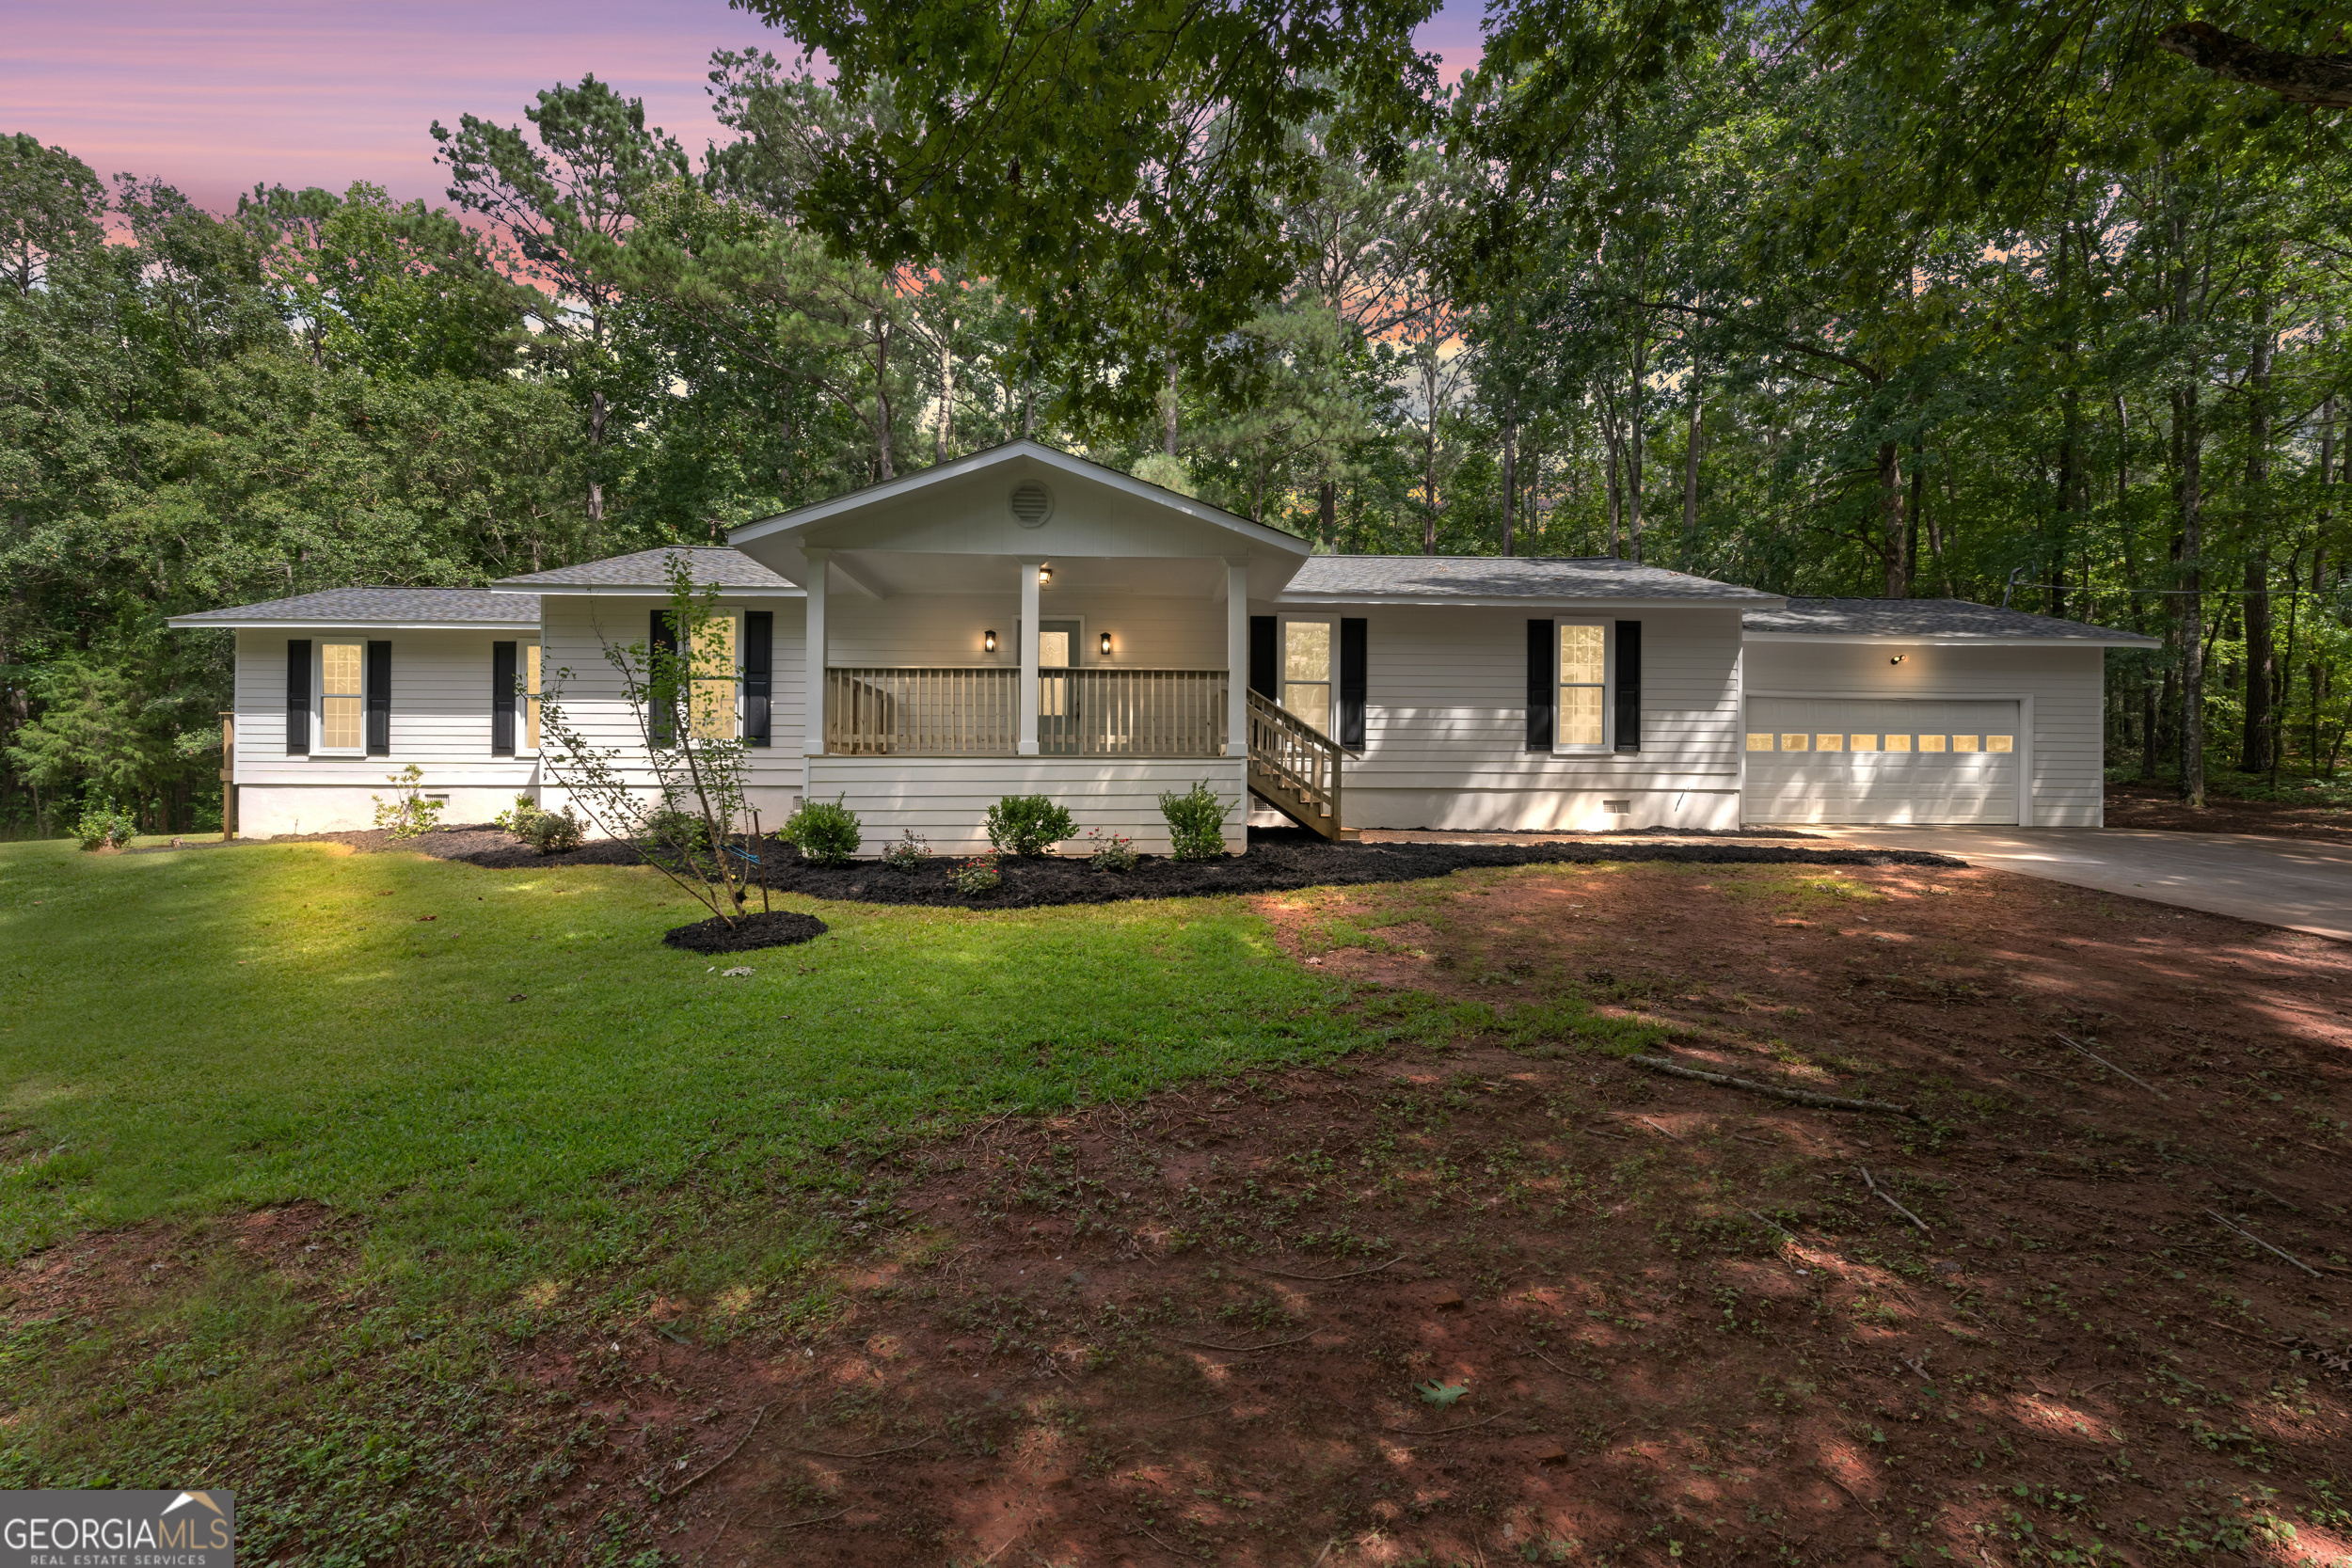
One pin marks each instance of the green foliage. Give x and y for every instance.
(1196, 822)
(102, 827)
(911, 853)
(515, 816)
(679, 831)
(826, 832)
(1111, 852)
(407, 813)
(1443, 1394)
(1028, 824)
(976, 875)
(550, 832)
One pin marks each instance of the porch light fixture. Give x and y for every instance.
(1898, 659)
(988, 641)
(1045, 574)
(1106, 645)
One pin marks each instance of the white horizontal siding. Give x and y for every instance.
(1147, 632)
(1445, 727)
(577, 631)
(947, 799)
(2067, 759)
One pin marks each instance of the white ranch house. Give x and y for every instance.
(1022, 621)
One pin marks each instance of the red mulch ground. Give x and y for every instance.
(2136, 806)
(1191, 1330)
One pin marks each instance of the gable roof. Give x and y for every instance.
(645, 571)
(1490, 579)
(417, 609)
(1928, 621)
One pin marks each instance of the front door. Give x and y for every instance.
(1056, 692)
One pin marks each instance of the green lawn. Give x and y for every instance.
(192, 1033)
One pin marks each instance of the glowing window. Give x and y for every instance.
(1963, 743)
(714, 675)
(1931, 743)
(1862, 743)
(1759, 742)
(342, 696)
(1898, 743)
(530, 696)
(1996, 742)
(1793, 743)
(1583, 684)
(1829, 742)
(1307, 671)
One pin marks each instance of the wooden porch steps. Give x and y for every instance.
(1295, 768)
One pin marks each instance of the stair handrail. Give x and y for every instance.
(1319, 782)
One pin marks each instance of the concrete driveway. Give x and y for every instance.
(2293, 883)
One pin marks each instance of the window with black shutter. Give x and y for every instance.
(1629, 680)
(379, 699)
(1352, 682)
(662, 722)
(1543, 692)
(297, 696)
(759, 643)
(502, 699)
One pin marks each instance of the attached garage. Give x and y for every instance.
(1925, 711)
(1902, 761)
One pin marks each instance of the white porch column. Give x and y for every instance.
(1027, 746)
(1237, 658)
(813, 728)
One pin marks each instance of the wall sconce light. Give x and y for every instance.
(1044, 575)
(1106, 645)
(1898, 659)
(988, 641)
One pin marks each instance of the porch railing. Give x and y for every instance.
(966, 712)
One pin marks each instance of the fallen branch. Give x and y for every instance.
(1442, 1431)
(2242, 1333)
(1798, 1096)
(2268, 1248)
(1242, 1350)
(2111, 1067)
(800, 1524)
(702, 1474)
(875, 1453)
(1888, 1199)
(1668, 1131)
(1316, 1278)
(1564, 1372)
(1776, 1226)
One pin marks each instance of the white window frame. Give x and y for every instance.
(1330, 683)
(735, 617)
(319, 747)
(1607, 742)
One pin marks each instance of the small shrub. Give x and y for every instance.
(513, 820)
(681, 832)
(102, 826)
(977, 876)
(908, 853)
(1115, 853)
(1028, 825)
(550, 832)
(1196, 821)
(827, 832)
(407, 813)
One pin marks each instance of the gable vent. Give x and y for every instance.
(1032, 503)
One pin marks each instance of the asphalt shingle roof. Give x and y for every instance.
(1505, 577)
(721, 565)
(366, 606)
(1943, 618)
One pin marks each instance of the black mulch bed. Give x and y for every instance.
(1279, 860)
(777, 929)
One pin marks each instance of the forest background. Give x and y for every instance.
(1881, 297)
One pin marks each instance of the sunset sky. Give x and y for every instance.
(215, 98)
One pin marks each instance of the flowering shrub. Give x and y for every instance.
(102, 826)
(908, 853)
(1114, 853)
(977, 875)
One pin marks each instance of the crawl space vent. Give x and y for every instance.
(1032, 503)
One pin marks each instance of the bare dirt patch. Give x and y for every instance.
(1683, 1326)
(2138, 805)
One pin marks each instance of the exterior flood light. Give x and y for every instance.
(988, 641)
(1106, 645)
(1045, 574)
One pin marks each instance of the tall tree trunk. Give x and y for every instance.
(947, 392)
(1510, 480)
(2069, 467)
(595, 460)
(883, 435)
(2260, 656)
(1634, 441)
(1691, 477)
(2188, 502)
(1616, 495)
(1169, 430)
(1890, 468)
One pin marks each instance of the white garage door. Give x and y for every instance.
(1832, 759)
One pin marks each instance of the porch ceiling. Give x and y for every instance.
(887, 574)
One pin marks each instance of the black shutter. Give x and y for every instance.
(1543, 682)
(759, 643)
(297, 696)
(1263, 670)
(501, 699)
(661, 720)
(1352, 641)
(1628, 686)
(379, 699)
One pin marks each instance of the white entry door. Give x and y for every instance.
(1837, 759)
